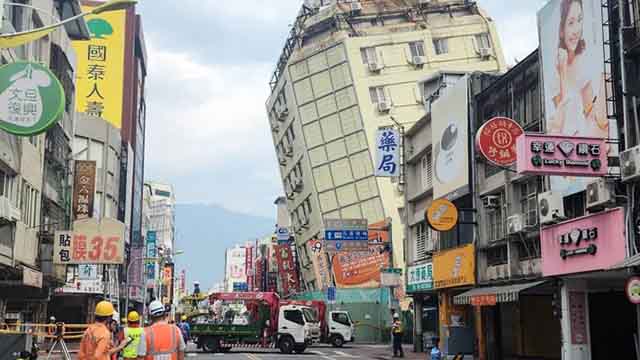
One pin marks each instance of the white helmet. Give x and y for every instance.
(196, 283)
(156, 309)
(396, 316)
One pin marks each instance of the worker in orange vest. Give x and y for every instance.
(161, 339)
(96, 342)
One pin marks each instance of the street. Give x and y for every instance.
(313, 353)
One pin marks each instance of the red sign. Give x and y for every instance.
(90, 243)
(259, 278)
(484, 300)
(286, 269)
(496, 140)
(249, 270)
(578, 315)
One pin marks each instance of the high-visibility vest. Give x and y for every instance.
(131, 351)
(163, 341)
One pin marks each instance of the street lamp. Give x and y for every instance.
(23, 37)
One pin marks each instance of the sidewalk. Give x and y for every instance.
(385, 354)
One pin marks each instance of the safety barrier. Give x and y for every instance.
(47, 331)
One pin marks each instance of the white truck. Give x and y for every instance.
(336, 327)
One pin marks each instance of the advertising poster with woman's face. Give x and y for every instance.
(572, 54)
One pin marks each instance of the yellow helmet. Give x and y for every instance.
(184, 318)
(104, 309)
(133, 316)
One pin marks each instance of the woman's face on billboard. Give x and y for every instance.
(573, 29)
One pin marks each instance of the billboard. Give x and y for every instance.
(320, 264)
(91, 242)
(450, 141)
(100, 70)
(454, 267)
(573, 73)
(84, 189)
(287, 270)
(235, 271)
(387, 153)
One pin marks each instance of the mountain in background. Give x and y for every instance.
(203, 232)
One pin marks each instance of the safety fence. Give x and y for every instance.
(45, 331)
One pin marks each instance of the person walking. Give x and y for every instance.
(132, 334)
(161, 340)
(396, 334)
(97, 340)
(436, 354)
(185, 328)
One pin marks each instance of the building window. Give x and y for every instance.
(377, 94)
(369, 55)
(574, 205)
(490, 170)
(495, 223)
(483, 41)
(423, 240)
(441, 46)
(528, 248)
(497, 255)
(529, 200)
(427, 171)
(416, 48)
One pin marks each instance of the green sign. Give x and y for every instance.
(391, 271)
(420, 278)
(31, 98)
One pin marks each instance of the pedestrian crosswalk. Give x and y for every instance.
(333, 355)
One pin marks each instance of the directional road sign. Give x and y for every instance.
(346, 234)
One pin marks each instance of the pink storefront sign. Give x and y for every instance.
(540, 154)
(590, 243)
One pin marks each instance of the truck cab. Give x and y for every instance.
(341, 328)
(296, 328)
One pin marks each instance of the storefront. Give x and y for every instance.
(454, 273)
(425, 305)
(598, 321)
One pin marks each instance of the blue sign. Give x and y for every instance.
(151, 253)
(282, 234)
(331, 294)
(347, 235)
(240, 287)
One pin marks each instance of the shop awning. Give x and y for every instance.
(507, 293)
(627, 263)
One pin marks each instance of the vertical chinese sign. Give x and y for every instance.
(167, 284)
(287, 270)
(84, 189)
(135, 273)
(151, 253)
(249, 270)
(100, 75)
(387, 153)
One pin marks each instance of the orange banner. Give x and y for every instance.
(454, 267)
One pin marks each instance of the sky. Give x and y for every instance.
(210, 62)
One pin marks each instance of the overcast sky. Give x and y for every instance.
(209, 66)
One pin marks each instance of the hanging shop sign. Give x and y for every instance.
(31, 277)
(387, 153)
(496, 140)
(540, 154)
(632, 289)
(91, 242)
(590, 243)
(391, 277)
(442, 215)
(578, 317)
(420, 278)
(31, 98)
(484, 300)
(84, 189)
(455, 267)
(287, 270)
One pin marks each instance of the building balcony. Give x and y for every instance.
(55, 273)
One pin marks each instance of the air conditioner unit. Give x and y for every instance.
(491, 202)
(384, 106)
(514, 224)
(298, 186)
(289, 151)
(356, 7)
(599, 194)
(275, 128)
(283, 161)
(418, 61)
(551, 207)
(630, 163)
(485, 53)
(491, 273)
(375, 67)
(282, 114)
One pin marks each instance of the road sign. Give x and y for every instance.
(331, 295)
(282, 235)
(346, 234)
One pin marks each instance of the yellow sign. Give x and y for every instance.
(455, 267)
(442, 215)
(100, 72)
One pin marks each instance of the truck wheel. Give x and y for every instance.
(336, 341)
(300, 349)
(211, 344)
(286, 345)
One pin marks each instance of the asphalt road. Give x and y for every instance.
(350, 352)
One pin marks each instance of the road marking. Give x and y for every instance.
(191, 355)
(253, 357)
(344, 354)
(322, 355)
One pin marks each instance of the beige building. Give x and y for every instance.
(346, 69)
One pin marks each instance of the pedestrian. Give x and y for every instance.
(97, 340)
(436, 354)
(185, 328)
(132, 333)
(161, 339)
(396, 334)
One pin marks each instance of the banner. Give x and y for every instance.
(235, 267)
(320, 264)
(90, 243)
(84, 189)
(361, 269)
(259, 284)
(167, 280)
(249, 270)
(287, 269)
(572, 55)
(387, 153)
(152, 238)
(449, 137)
(136, 266)
(100, 70)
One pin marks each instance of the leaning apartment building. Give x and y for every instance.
(346, 69)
